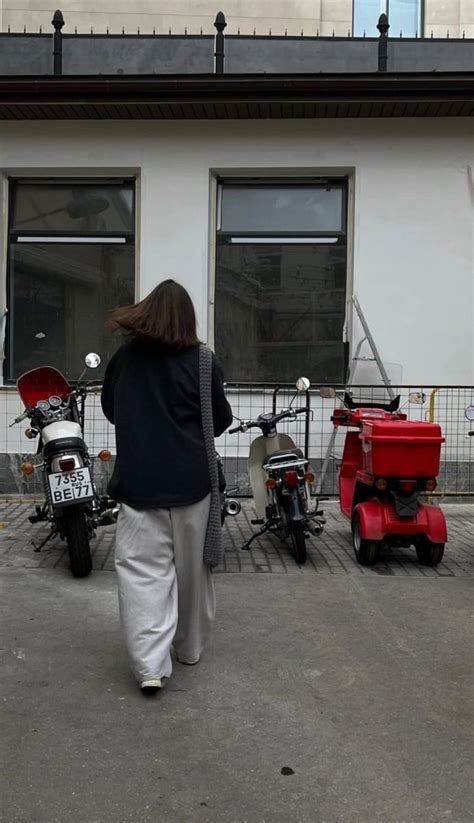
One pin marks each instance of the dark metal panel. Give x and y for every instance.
(430, 55)
(97, 54)
(288, 55)
(26, 54)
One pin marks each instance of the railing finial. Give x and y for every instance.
(57, 23)
(383, 26)
(220, 24)
(58, 20)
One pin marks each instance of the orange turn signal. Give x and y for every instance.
(27, 468)
(381, 484)
(309, 477)
(105, 455)
(431, 485)
(270, 483)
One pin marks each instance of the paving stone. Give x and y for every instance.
(329, 554)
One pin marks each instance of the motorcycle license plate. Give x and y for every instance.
(69, 487)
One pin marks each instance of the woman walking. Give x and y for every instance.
(163, 478)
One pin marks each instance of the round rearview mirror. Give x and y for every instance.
(92, 360)
(303, 384)
(469, 413)
(417, 397)
(327, 392)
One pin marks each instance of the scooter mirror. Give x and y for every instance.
(92, 360)
(303, 384)
(327, 392)
(469, 413)
(417, 397)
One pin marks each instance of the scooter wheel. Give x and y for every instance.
(298, 541)
(428, 553)
(366, 551)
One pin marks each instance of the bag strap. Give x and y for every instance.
(214, 544)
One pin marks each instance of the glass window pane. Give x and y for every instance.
(280, 312)
(72, 208)
(281, 209)
(59, 299)
(366, 17)
(404, 16)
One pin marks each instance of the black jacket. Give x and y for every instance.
(151, 395)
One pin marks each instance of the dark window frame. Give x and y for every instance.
(57, 237)
(268, 238)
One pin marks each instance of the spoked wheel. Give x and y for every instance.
(298, 541)
(76, 532)
(428, 553)
(366, 551)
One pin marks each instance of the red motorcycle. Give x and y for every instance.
(72, 506)
(389, 463)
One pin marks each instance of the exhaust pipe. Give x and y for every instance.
(232, 507)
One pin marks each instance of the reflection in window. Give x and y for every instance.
(60, 297)
(71, 260)
(280, 292)
(281, 208)
(280, 311)
(73, 208)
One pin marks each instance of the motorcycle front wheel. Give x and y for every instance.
(298, 540)
(76, 533)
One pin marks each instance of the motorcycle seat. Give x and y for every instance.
(283, 456)
(63, 444)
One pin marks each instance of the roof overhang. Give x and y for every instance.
(223, 97)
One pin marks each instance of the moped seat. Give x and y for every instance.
(283, 456)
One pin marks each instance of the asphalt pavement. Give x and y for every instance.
(327, 695)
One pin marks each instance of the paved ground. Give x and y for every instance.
(329, 694)
(332, 553)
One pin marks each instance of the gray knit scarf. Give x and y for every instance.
(214, 545)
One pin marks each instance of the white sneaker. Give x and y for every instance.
(152, 684)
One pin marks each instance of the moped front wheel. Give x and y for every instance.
(298, 541)
(366, 551)
(76, 533)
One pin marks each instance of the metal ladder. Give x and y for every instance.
(350, 377)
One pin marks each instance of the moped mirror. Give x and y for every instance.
(327, 392)
(92, 360)
(303, 384)
(469, 413)
(417, 397)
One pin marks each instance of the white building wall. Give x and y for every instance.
(412, 202)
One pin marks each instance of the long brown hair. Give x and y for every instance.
(166, 314)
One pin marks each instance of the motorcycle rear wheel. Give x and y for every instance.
(298, 541)
(76, 533)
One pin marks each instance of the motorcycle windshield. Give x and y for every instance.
(41, 384)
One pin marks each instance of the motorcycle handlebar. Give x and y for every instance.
(251, 424)
(20, 418)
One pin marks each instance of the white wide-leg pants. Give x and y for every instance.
(166, 593)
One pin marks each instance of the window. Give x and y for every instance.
(281, 281)
(403, 15)
(71, 258)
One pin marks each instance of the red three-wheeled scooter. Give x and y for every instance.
(389, 463)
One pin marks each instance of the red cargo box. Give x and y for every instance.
(401, 448)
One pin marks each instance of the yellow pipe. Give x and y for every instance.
(432, 409)
(431, 416)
